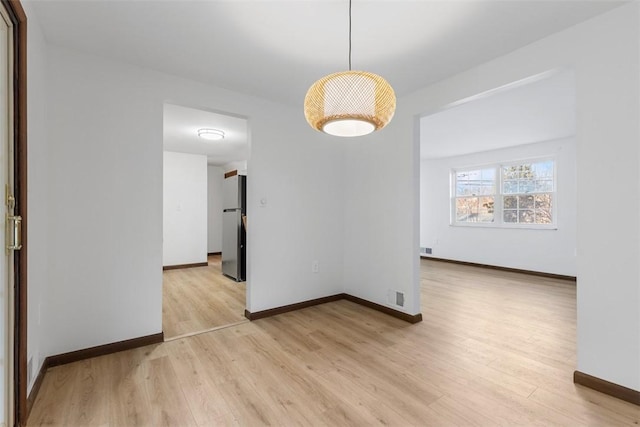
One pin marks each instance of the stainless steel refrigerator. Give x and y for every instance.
(234, 250)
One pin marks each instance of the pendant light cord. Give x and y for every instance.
(349, 35)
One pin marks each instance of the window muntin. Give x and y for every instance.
(518, 194)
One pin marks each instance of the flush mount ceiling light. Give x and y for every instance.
(211, 134)
(350, 103)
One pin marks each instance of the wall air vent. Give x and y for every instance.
(399, 299)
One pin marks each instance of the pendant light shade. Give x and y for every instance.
(350, 103)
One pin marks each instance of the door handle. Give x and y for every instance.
(14, 233)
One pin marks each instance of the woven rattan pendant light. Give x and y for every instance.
(350, 103)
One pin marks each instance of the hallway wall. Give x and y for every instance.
(184, 209)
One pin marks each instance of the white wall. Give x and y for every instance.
(382, 213)
(184, 204)
(604, 54)
(548, 251)
(608, 56)
(37, 206)
(215, 176)
(299, 173)
(105, 191)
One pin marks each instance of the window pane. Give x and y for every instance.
(488, 181)
(475, 182)
(510, 216)
(526, 217)
(489, 174)
(464, 184)
(543, 169)
(485, 213)
(543, 217)
(525, 202)
(510, 202)
(526, 186)
(469, 175)
(471, 189)
(474, 209)
(510, 172)
(487, 187)
(461, 176)
(465, 208)
(526, 172)
(543, 201)
(544, 185)
(510, 187)
(544, 213)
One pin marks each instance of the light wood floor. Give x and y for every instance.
(494, 349)
(200, 298)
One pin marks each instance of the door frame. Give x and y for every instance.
(19, 30)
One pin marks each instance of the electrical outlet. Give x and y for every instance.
(315, 266)
(426, 250)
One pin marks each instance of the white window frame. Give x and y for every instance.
(498, 208)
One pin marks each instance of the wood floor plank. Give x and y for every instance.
(276, 381)
(57, 387)
(456, 413)
(90, 400)
(203, 396)
(356, 407)
(166, 397)
(200, 298)
(249, 408)
(494, 349)
(581, 410)
(129, 399)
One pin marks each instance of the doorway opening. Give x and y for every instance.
(498, 177)
(204, 151)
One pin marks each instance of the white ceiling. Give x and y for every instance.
(277, 49)
(180, 133)
(541, 109)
